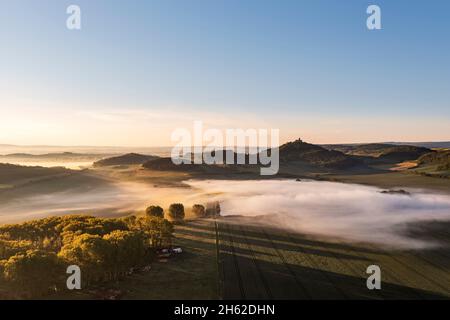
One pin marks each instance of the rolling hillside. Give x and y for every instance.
(381, 152)
(434, 164)
(316, 155)
(166, 164)
(402, 153)
(12, 174)
(127, 159)
(296, 153)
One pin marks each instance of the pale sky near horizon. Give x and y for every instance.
(137, 70)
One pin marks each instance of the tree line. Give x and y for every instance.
(176, 211)
(34, 255)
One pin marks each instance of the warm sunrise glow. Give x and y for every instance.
(150, 128)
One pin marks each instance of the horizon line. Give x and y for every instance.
(162, 146)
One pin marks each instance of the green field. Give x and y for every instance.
(258, 262)
(241, 260)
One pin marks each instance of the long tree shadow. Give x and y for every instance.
(261, 242)
(291, 243)
(436, 232)
(288, 281)
(292, 271)
(249, 266)
(280, 234)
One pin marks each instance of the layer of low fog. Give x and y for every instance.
(110, 200)
(74, 165)
(347, 211)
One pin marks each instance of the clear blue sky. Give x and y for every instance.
(281, 61)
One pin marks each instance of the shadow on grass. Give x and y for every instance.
(248, 274)
(288, 281)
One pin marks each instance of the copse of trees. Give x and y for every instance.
(176, 212)
(155, 211)
(34, 255)
(198, 210)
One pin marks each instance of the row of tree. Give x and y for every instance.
(176, 211)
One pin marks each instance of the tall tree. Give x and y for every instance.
(155, 211)
(198, 210)
(176, 212)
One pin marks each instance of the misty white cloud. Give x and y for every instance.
(353, 212)
(348, 211)
(107, 200)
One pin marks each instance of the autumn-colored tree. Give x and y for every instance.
(92, 254)
(127, 250)
(34, 272)
(34, 255)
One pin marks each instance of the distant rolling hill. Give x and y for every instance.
(10, 174)
(56, 159)
(436, 164)
(166, 164)
(429, 145)
(382, 152)
(126, 159)
(54, 156)
(315, 155)
(296, 154)
(299, 157)
(402, 153)
(368, 150)
(435, 158)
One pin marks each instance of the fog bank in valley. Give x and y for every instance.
(348, 211)
(117, 199)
